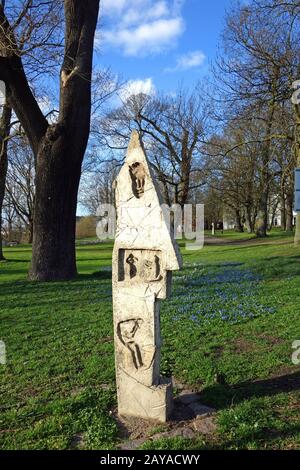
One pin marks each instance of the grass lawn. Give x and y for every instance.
(228, 331)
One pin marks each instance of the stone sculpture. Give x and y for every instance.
(144, 256)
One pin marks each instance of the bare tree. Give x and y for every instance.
(173, 128)
(20, 185)
(10, 219)
(234, 173)
(260, 62)
(97, 187)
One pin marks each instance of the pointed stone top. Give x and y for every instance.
(134, 142)
(135, 150)
(142, 222)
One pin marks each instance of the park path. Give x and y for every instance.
(210, 240)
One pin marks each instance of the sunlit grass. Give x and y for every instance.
(234, 312)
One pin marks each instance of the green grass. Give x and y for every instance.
(233, 314)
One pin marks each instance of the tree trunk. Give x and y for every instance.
(262, 216)
(283, 212)
(30, 231)
(184, 186)
(57, 181)
(59, 148)
(261, 224)
(239, 225)
(289, 211)
(4, 133)
(249, 220)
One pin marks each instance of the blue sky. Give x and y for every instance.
(159, 43)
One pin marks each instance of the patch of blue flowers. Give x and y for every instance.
(216, 293)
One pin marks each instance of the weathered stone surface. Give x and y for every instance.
(143, 257)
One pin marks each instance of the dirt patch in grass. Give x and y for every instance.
(189, 419)
(138, 431)
(242, 345)
(270, 340)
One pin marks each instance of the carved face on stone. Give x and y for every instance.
(138, 175)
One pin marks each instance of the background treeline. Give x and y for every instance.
(230, 142)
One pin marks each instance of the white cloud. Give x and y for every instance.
(148, 38)
(135, 87)
(188, 61)
(111, 6)
(137, 16)
(142, 27)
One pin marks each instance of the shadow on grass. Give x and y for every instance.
(281, 267)
(94, 260)
(57, 291)
(101, 275)
(14, 260)
(223, 396)
(261, 437)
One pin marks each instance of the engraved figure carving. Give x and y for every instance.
(132, 262)
(138, 175)
(139, 265)
(126, 331)
(151, 269)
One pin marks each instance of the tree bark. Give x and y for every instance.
(262, 216)
(53, 254)
(184, 185)
(30, 232)
(4, 134)
(59, 148)
(289, 211)
(283, 211)
(239, 225)
(250, 218)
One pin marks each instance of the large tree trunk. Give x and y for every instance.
(30, 232)
(59, 148)
(57, 179)
(4, 133)
(62, 150)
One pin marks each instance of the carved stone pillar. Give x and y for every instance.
(143, 257)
